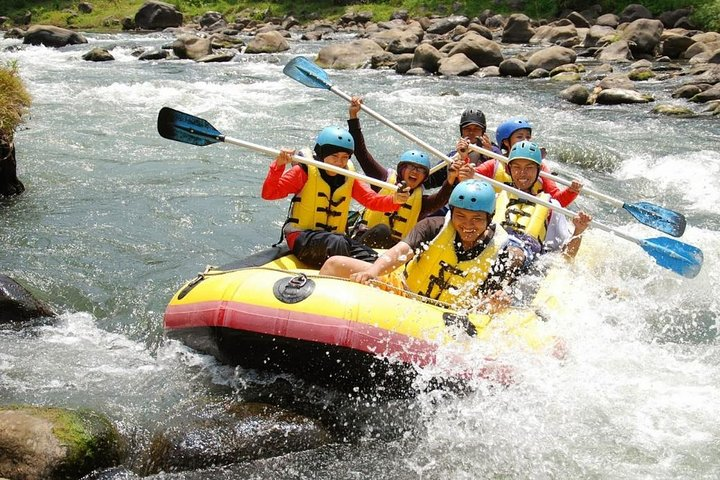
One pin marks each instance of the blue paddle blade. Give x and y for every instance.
(677, 256)
(307, 73)
(657, 217)
(187, 128)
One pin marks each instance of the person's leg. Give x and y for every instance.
(379, 236)
(313, 248)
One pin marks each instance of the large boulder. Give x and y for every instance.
(608, 20)
(399, 40)
(480, 50)
(675, 45)
(447, 24)
(457, 65)
(576, 94)
(17, 304)
(267, 42)
(597, 32)
(554, 34)
(551, 57)
(52, 36)
(355, 54)
(513, 67)
(10, 184)
(155, 15)
(518, 29)
(669, 19)
(643, 36)
(634, 12)
(712, 93)
(55, 443)
(221, 435)
(615, 52)
(617, 96)
(192, 47)
(427, 57)
(98, 54)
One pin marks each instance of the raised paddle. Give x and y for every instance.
(186, 128)
(655, 216)
(672, 254)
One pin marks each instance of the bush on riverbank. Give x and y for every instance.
(107, 14)
(14, 101)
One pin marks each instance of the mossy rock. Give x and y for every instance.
(673, 110)
(641, 74)
(56, 443)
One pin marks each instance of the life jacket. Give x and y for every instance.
(522, 216)
(502, 175)
(437, 273)
(315, 209)
(401, 221)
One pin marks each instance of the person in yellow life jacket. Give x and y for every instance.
(538, 228)
(508, 133)
(385, 229)
(316, 225)
(462, 259)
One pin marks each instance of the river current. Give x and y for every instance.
(115, 218)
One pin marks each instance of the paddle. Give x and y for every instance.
(674, 255)
(655, 216)
(187, 128)
(681, 258)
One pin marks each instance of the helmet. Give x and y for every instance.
(474, 195)
(510, 126)
(336, 137)
(472, 116)
(527, 150)
(415, 157)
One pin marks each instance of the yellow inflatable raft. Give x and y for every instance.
(268, 312)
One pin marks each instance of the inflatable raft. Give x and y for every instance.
(268, 312)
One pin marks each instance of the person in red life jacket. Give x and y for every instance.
(316, 225)
(462, 259)
(508, 133)
(472, 131)
(537, 227)
(383, 230)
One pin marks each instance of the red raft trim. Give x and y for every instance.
(309, 327)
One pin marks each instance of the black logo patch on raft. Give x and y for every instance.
(293, 289)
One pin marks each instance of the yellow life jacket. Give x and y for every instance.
(314, 209)
(437, 273)
(401, 221)
(502, 175)
(522, 216)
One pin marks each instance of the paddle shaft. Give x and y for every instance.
(561, 181)
(309, 161)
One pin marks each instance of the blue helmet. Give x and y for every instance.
(415, 157)
(527, 150)
(510, 126)
(334, 139)
(474, 195)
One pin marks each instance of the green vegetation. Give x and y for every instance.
(106, 14)
(14, 101)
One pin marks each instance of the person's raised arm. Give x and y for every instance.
(367, 162)
(279, 183)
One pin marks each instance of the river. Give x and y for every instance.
(115, 218)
